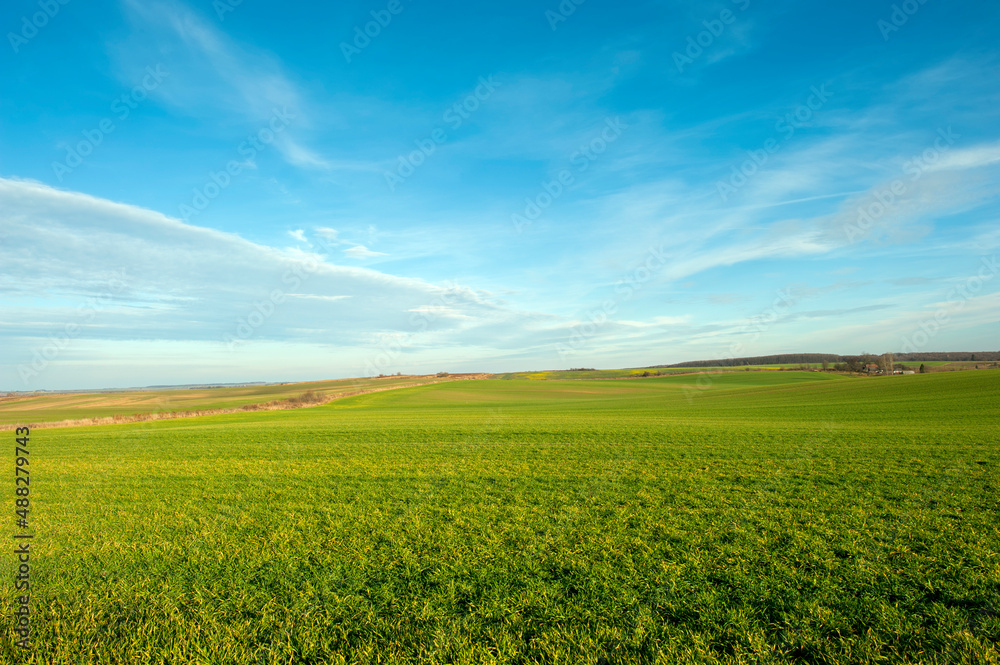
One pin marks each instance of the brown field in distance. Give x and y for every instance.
(99, 408)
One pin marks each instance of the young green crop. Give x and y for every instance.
(755, 518)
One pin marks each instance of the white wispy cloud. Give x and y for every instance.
(310, 296)
(298, 155)
(362, 252)
(154, 278)
(211, 73)
(968, 158)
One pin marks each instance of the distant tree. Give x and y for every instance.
(853, 364)
(885, 362)
(826, 365)
(923, 368)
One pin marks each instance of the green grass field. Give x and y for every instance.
(731, 518)
(550, 375)
(953, 365)
(566, 374)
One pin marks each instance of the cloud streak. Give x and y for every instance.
(220, 74)
(184, 283)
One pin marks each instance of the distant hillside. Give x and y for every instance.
(952, 356)
(818, 358)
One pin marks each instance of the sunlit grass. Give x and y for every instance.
(758, 517)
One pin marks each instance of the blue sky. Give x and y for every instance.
(237, 191)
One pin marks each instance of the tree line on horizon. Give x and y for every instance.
(830, 359)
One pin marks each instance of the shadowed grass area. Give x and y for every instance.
(754, 518)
